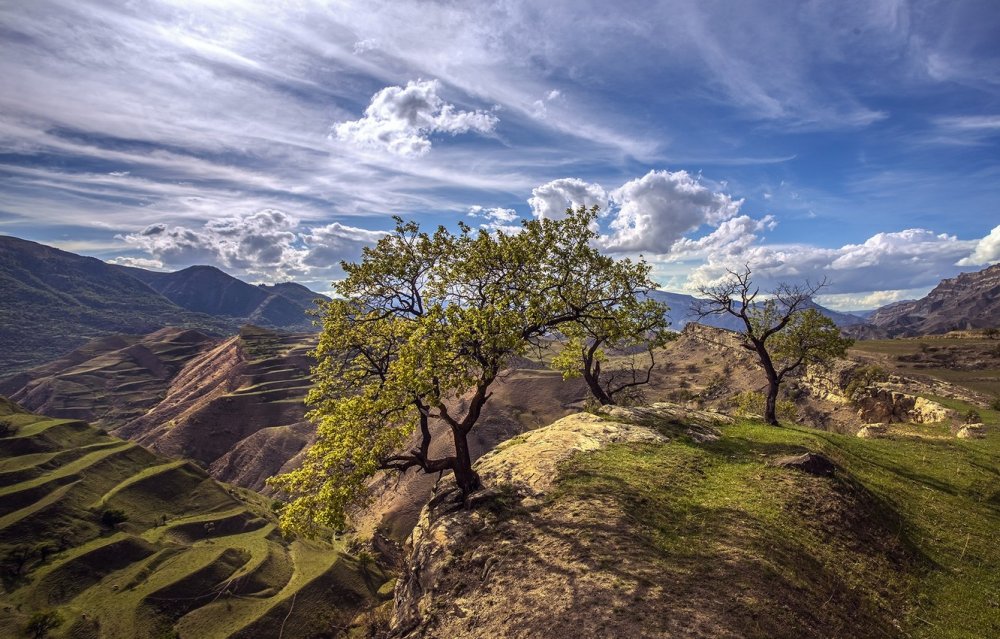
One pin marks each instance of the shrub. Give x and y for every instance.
(751, 404)
(7, 428)
(113, 516)
(41, 623)
(992, 333)
(972, 416)
(863, 377)
(995, 404)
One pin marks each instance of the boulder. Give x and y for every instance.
(886, 406)
(811, 463)
(872, 431)
(972, 431)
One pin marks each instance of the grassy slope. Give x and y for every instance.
(216, 568)
(944, 358)
(779, 533)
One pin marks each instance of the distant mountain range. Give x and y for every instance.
(969, 301)
(53, 301)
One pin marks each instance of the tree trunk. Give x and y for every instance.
(770, 404)
(467, 479)
(595, 387)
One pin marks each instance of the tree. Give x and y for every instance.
(783, 332)
(421, 322)
(633, 328)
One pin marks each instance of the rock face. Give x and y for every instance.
(887, 406)
(971, 300)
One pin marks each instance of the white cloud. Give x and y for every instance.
(497, 219)
(734, 235)
(268, 245)
(903, 260)
(401, 120)
(551, 200)
(329, 245)
(987, 250)
(658, 208)
(137, 262)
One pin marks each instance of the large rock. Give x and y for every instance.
(811, 463)
(872, 431)
(972, 431)
(886, 406)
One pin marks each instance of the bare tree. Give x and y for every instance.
(782, 330)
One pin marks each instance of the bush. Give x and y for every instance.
(113, 516)
(41, 623)
(7, 428)
(995, 404)
(972, 416)
(862, 378)
(751, 404)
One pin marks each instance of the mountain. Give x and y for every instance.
(682, 313)
(971, 300)
(125, 544)
(206, 289)
(53, 301)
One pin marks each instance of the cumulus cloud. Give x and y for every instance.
(987, 250)
(269, 245)
(497, 219)
(734, 235)
(899, 261)
(401, 120)
(654, 211)
(329, 245)
(551, 200)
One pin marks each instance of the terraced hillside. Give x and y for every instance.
(233, 405)
(121, 542)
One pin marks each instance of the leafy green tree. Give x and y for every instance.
(631, 327)
(420, 329)
(783, 332)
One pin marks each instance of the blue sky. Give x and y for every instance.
(856, 141)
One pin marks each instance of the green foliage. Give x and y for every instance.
(426, 318)
(972, 416)
(7, 428)
(995, 404)
(752, 403)
(113, 516)
(42, 623)
(864, 377)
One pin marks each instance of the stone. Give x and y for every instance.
(872, 431)
(811, 463)
(972, 431)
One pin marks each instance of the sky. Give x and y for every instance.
(856, 142)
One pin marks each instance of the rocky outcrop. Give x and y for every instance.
(526, 465)
(872, 431)
(887, 406)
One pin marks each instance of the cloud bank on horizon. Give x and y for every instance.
(856, 141)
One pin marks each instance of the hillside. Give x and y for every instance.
(971, 300)
(206, 289)
(656, 523)
(193, 559)
(54, 301)
(234, 405)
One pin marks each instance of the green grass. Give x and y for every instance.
(215, 568)
(926, 512)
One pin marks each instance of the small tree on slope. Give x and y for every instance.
(784, 334)
(425, 320)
